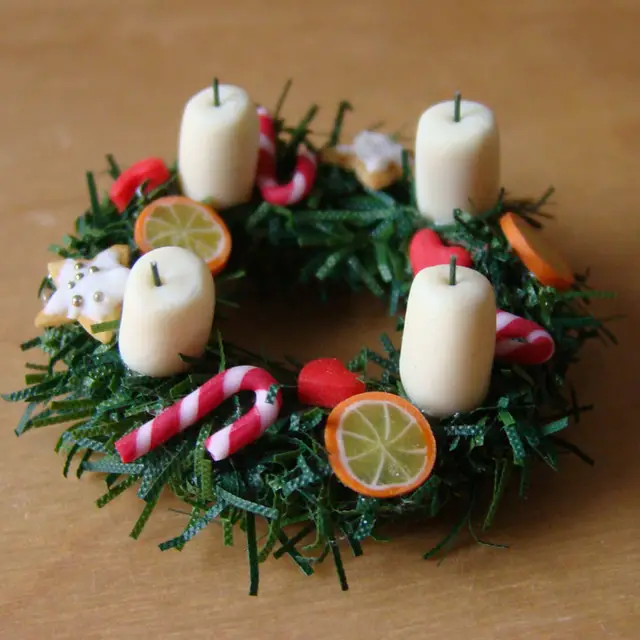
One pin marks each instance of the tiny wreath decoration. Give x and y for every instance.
(325, 452)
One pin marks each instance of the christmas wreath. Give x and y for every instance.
(151, 397)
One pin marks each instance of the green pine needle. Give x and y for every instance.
(93, 194)
(334, 136)
(194, 528)
(303, 563)
(144, 516)
(227, 532)
(337, 559)
(114, 168)
(102, 327)
(252, 553)
(114, 492)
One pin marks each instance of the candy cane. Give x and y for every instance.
(537, 348)
(304, 174)
(198, 404)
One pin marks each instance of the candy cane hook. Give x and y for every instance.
(198, 404)
(304, 173)
(538, 345)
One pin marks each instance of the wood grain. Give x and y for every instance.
(81, 78)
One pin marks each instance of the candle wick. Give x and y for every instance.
(452, 271)
(216, 93)
(156, 274)
(456, 106)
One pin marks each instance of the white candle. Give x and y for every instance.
(161, 322)
(457, 164)
(448, 341)
(218, 147)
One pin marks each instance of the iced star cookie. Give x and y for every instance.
(87, 291)
(375, 158)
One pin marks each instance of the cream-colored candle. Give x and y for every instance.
(218, 147)
(457, 161)
(167, 313)
(448, 341)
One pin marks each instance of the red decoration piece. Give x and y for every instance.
(326, 382)
(426, 249)
(304, 174)
(521, 340)
(153, 171)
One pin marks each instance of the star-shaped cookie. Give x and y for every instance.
(375, 158)
(87, 291)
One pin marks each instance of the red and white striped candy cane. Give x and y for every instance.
(304, 174)
(198, 404)
(538, 344)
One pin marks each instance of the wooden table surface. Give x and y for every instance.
(81, 78)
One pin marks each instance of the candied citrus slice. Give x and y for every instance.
(178, 221)
(540, 257)
(379, 444)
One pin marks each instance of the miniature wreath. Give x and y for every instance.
(325, 453)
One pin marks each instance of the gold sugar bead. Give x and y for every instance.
(77, 301)
(77, 266)
(71, 284)
(79, 276)
(98, 296)
(94, 269)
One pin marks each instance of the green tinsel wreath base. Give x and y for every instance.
(342, 235)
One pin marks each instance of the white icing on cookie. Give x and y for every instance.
(109, 280)
(376, 150)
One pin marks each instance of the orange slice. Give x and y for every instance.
(379, 444)
(178, 221)
(540, 257)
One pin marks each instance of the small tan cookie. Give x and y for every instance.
(87, 291)
(332, 155)
(375, 158)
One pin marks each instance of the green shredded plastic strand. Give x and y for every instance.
(252, 553)
(145, 515)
